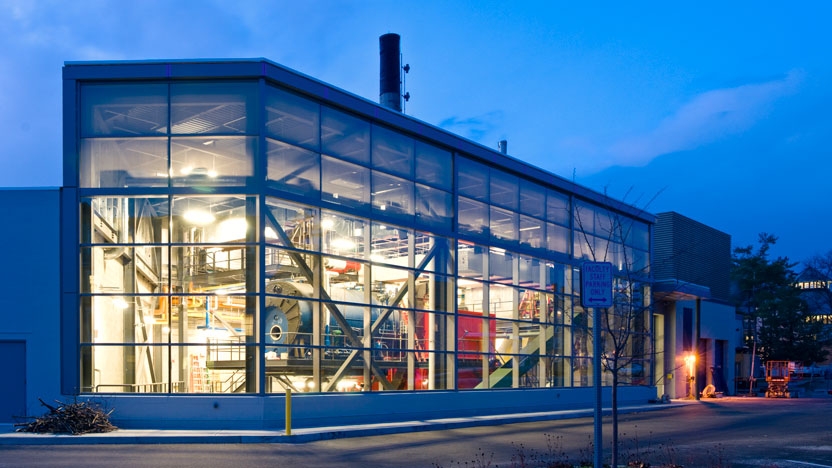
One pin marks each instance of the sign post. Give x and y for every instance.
(596, 293)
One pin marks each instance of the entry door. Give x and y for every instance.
(13, 389)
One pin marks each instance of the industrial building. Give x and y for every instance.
(697, 321)
(230, 230)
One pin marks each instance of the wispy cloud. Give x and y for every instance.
(474, 128)
(18, 10)
(708, 117)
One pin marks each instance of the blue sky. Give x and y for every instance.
(717, 110)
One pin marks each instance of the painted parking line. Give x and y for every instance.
(808, 464)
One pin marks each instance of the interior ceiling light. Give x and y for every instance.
(343, 244)
(377, 257)
(231, 229)
(225, 291)
(346, 184)
(198, 171)
(464, 282)
(199, 217)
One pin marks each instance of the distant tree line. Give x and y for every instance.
(780, 324)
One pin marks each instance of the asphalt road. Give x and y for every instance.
(728, 432)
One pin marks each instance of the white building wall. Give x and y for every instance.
(717, 324)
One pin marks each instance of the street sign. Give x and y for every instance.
(596, 292)
(596, 284)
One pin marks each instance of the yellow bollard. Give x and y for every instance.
(288, 411)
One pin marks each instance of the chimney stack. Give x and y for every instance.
(390, 77)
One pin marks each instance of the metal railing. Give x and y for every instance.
(155, 387)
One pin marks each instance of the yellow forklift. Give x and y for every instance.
(777, 378)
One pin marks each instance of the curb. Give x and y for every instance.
(299, 436)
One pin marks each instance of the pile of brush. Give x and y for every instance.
(70, 418)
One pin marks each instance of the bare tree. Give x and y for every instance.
(625, 330)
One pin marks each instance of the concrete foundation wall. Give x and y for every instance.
(254, 412)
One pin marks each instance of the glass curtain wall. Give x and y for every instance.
(240, 238)
(520, 322)
(606, 236)
(351, 303)
(194, 282)
(515, 310)
(168, 262)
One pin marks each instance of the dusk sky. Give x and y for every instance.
(720, 111)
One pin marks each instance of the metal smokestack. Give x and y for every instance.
(503, 145)
(390, 76)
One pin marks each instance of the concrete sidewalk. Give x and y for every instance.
(299, 435)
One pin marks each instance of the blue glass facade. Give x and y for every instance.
(238, 228)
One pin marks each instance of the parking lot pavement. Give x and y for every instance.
(300, 435)
(735, 432)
